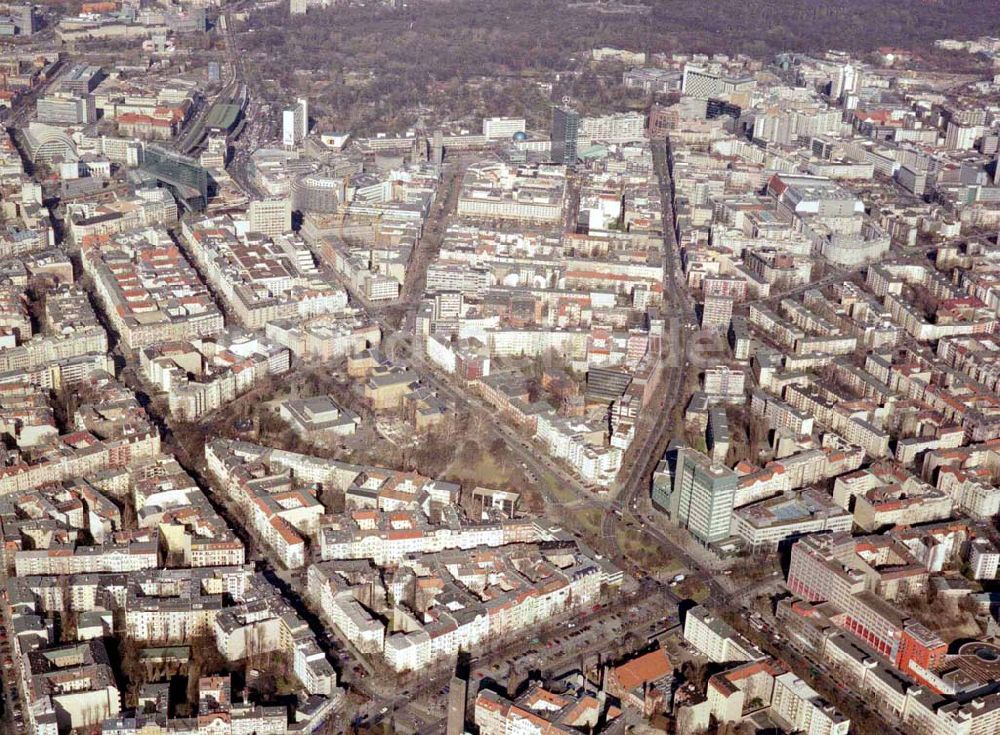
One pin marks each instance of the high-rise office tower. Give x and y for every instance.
(565, 129)
(437, 148)
(846, 81)
(295, 123)
(458, 693)
(960, 137)
(702, 496)
(23, 18)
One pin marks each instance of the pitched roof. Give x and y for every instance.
(648, 668)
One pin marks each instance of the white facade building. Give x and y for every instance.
(295, 124)
(502, 128)
(796, 704)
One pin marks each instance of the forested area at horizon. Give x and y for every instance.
(428, 52)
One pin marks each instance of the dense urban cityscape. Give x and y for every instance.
(648, 384)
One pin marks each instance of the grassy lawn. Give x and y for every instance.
(590, 519)
(286, 686)
(693, 589)
(645, 553)
(485, 471)
(966, 629)
(559, 491)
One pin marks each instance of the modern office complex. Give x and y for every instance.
(702, 496)
(565, 130)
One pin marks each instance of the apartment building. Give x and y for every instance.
(105, 558)
(722, 383)
(203, 375)
(926, 713)
(470, 621)
(283, 516)
(502, 128)
(388, 538)
(623, 127)
(84, 454)
(885, 495)
(71, 330)
(581, 444)
(259, 278)
(736, 692)
(271, 217)
(495, 191)
(984, 559)
(717, 312)
(147, 289)
(715, 639)
(540, 710)
(340, 606)
(73, 686)
(180, 605)
(325, 337)
(798, 706)
(118, 214)
(189, 530)
(270, 625)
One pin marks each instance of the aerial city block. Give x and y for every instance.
(532, 367)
